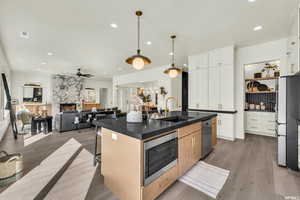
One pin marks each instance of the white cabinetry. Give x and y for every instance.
(198, 81)
(221, 79)
(261, 123)
(214, 88)
(227, 87)
(225, 124)
(211, 86)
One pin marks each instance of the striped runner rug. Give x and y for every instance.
(206, 178)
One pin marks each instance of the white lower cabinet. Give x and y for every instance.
(260, 123)
(226, 126)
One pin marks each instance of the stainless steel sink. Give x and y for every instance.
(176, 118)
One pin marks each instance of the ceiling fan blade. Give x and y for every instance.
(88, 75)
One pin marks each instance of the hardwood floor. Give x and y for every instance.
(254, 173)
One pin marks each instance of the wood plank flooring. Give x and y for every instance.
(254, 174)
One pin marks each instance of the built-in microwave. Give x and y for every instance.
(160, 155)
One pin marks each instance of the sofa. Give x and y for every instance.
(64, 121)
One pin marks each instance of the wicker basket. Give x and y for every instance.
(10, 164)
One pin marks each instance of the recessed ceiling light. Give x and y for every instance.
(149, 43)
(171, 53)
(43, 63)
(257, 28)
(251, 1)
(50, 54)
(24, 35)
(113, 25)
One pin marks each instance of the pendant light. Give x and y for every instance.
(138, 61)
(173, 71)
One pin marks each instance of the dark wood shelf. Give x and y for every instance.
(262, 92)
(262, 79)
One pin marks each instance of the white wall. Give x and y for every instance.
(172, 86)
(21, 78)
(246, 55)
(90, 83)
(45, 79)
(4, 68)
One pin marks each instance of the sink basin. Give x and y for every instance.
(176, 119)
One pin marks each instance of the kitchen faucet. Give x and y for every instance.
(167, 100)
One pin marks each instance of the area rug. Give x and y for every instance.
(206, 178)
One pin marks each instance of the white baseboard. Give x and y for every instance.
(260, 133)
(225, 138)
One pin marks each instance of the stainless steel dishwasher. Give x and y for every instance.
(206, 138)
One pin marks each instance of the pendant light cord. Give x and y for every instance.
(173, 53)
(138, 35)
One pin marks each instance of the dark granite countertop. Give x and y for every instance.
(152, 127)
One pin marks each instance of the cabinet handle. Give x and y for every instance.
(164, 183)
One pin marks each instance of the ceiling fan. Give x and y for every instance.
(79, 74)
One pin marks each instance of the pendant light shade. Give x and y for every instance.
(173, 71)
(138, 61)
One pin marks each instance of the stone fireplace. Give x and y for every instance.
(67, 92)
(67, 107)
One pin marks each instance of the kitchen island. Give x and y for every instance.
(141, 160)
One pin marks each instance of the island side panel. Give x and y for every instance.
(121, 158)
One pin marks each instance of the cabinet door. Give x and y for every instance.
(226, 126)
(202, 88)
(226, 87)
(227, 55)
(214, 58)
(198, 61)
(193, 89)
(203, 60)
(185, 151)
(196, 141)
(214, 88)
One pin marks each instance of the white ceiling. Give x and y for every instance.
(78, 32)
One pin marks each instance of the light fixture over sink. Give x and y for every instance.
(138, 61)
(173, 71)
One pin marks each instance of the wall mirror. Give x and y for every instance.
(32, 93)
(90, 95)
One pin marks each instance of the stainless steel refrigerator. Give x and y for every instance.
(287, 121)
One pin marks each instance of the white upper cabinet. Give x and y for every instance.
(227, 55)
(214, 58)
(211, 78)
(198, 81)
(202, 88)
(226, 88)
(193, 92)
(198, 61)
(223, 56)
(214, 88)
